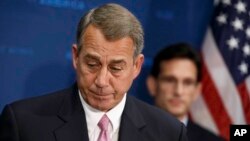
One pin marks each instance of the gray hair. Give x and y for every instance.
(115, 22)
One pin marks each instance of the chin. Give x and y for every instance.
(175, 111)
(104, 107)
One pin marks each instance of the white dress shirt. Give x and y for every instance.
(93, 116)
(185, 120)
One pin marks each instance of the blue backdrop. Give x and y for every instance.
(36, 38)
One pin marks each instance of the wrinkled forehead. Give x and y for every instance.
(92, 30)
(94, 37)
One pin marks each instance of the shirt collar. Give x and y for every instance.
(93, 115)
(185, 120)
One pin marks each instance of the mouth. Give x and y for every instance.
(176, 102)
(101, 93)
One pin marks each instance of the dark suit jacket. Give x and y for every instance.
(197, 133)
(60, 117)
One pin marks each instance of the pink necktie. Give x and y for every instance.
(103, 125)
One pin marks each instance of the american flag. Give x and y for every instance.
(225, 95)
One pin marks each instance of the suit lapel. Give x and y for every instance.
(73, 116)
(132, 122)
(74, 129)
(192, 131)
(75, 126)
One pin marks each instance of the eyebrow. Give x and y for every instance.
(97, 58)
(118, 61)
(91, 56)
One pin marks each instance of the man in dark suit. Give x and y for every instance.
(107, 58)
(175, 82)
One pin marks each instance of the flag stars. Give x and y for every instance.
(233, 43)
(243, 67)
(237, 24)
(240, 7)
(216, 2)
(226, 2)
(222, 18)
(248, 32)
(246, 50)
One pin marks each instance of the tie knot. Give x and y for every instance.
(104, 122)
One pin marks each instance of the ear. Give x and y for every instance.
(151, 84)
(74, 55)
(138, 65)
(198, 91)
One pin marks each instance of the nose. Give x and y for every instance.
(102, 78)
(179, 89)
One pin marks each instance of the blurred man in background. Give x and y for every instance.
(175, 82)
